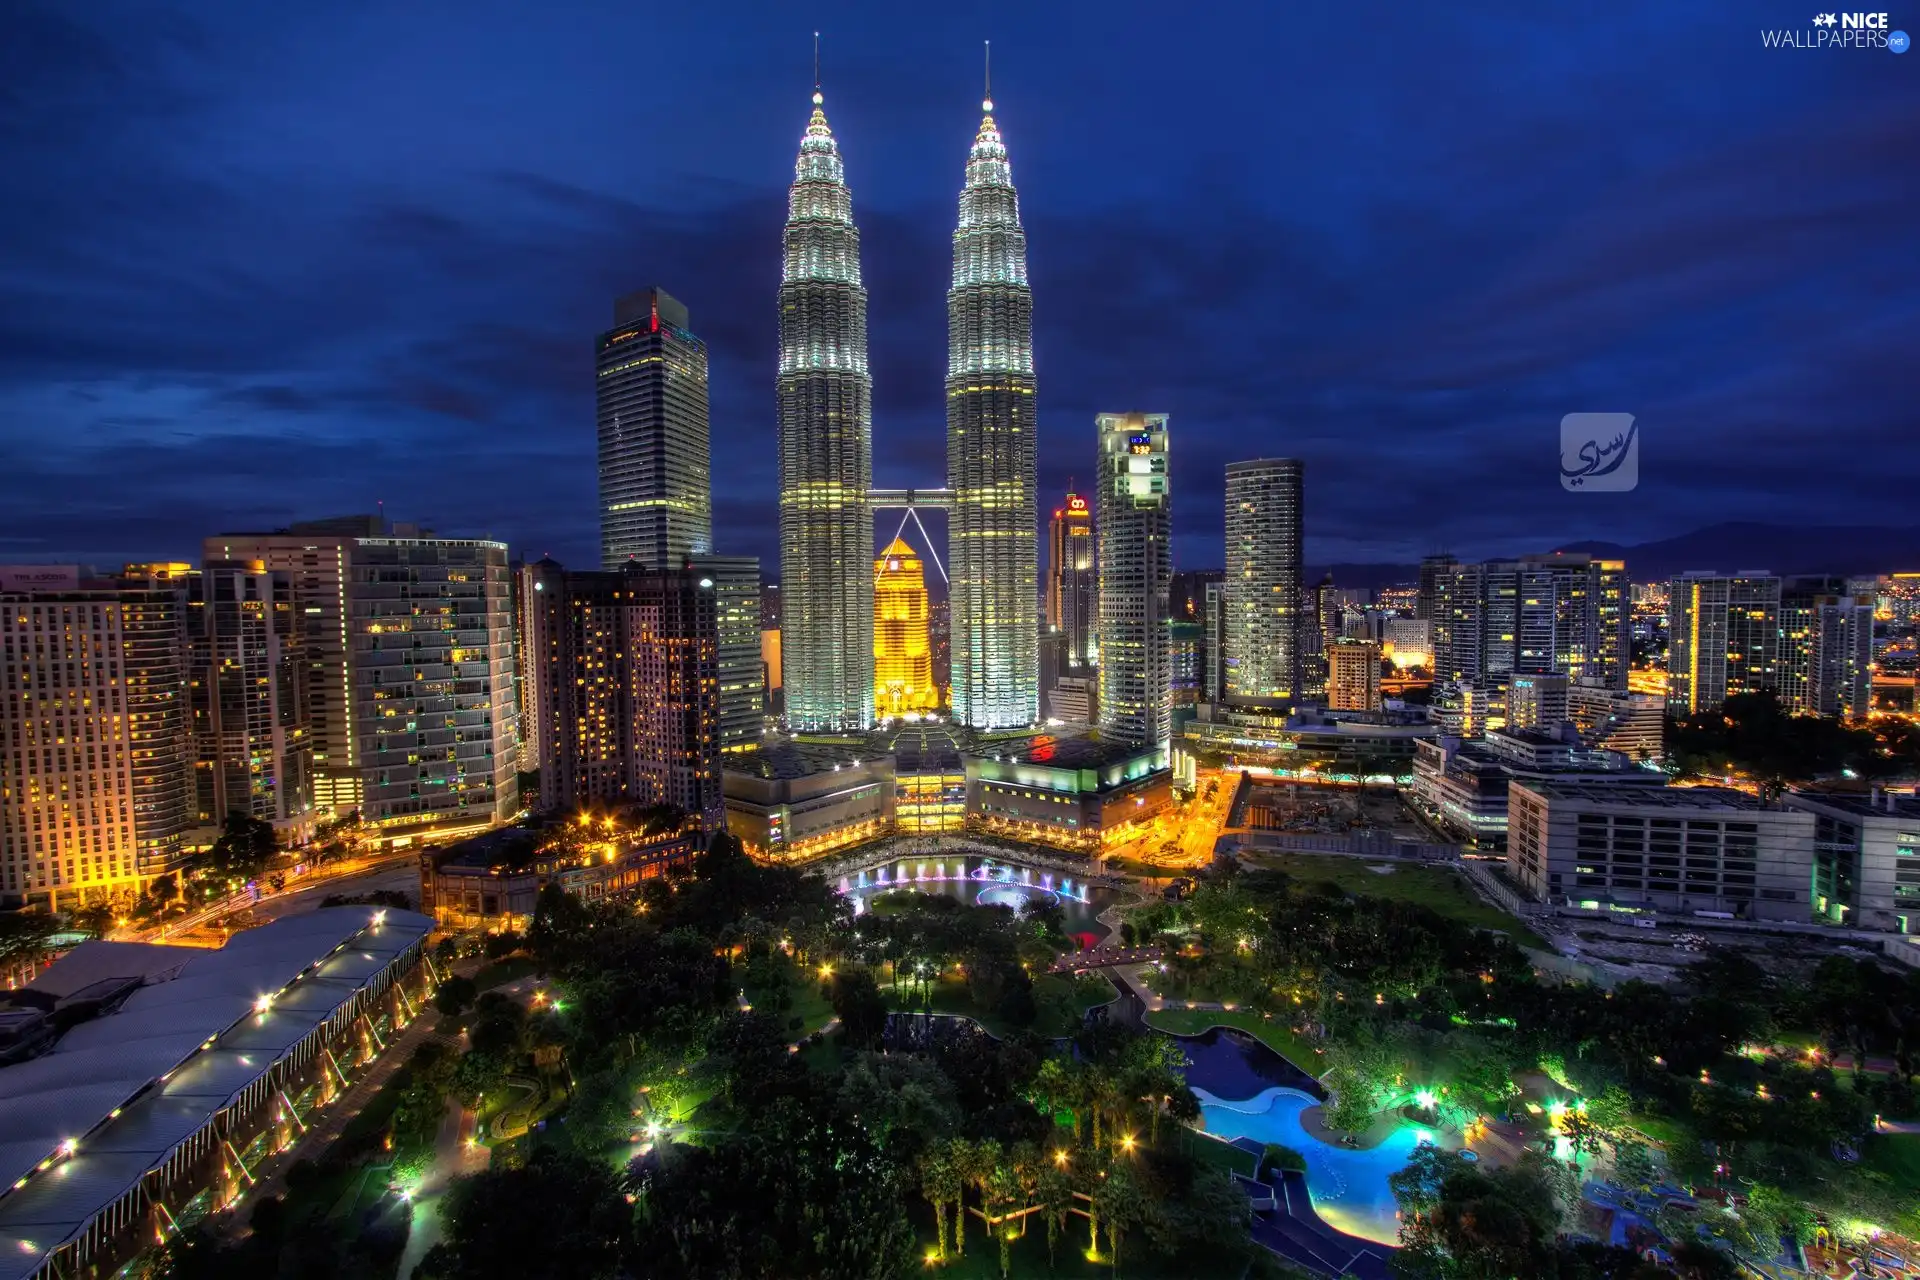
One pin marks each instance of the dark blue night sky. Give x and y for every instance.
(267, 262)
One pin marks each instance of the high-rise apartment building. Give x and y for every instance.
(315, 555)
(625, 687)
(1633, 724)
(1562, 613)
(656, 494)
(1073, 581)
(1264, 569)
(246, 690)
(1432, 569)
(95, 760)
(1353, 676)
(430, 639)
(991, 548)
(826, 449)
(1723, 638)
(902, 648)
(742, 670)
(1136, 565)
(1826, 648)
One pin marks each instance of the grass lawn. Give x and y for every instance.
(1273, 1033)
(1063, 1001)
(1221, 1155)
(1444, 890)
(806, 1002)
(1898, 1156)
(501, 972)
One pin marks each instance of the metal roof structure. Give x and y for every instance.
(81, 1124)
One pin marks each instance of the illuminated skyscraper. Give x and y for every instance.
(625, 669)
(247, 689)
(656, 496)
(991, 545)
(902, 650)
(1136, 566)
(1073, 581)
(95, 759)
(826, 449)
(1264, 549)
(1723, 638)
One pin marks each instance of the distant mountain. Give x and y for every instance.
(1778, 548)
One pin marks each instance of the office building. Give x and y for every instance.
(902, 650)
(1353, 676)
(1634, 724)
(1723, 638)
(656, 497)
(246, 690)
(1427, 598)
(1537, 702)
(1866, 857)
(1136, 562)
(1826, 648)
(1068, 793)
(1468, 708)
(1187, 594)
(1264, 515)
(430, 637)
(1463, 784)
(1073, 581)
(826, 449)
(95, 754)
(803, 800)
(991, 548)
(1214, 619)
(742, 670)
(625, 679)
(1187, 659)
(1706, 851)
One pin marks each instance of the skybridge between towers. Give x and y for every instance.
(913, 502)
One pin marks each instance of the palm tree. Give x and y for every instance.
(983, 1163)
(1026, 1177)
(1002, 1188)
(1052, 1088)
(1107, 1098)
(1122, 1205)
(940, 1184)
(1054, 1191)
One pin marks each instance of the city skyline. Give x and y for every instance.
(172, 416)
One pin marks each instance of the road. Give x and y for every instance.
(1191, 828)
(395, 872)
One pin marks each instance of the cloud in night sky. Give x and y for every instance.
(263, 265)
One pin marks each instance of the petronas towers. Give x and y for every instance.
(826, 450)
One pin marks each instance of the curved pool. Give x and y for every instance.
(1348, 1186)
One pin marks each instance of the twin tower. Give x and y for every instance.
(827, 498)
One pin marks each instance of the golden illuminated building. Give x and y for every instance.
(902, 652)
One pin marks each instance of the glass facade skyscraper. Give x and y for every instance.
(1073, 581)
(826, 449)
(1263, 588)
(992, 544)
(1136, 568)
(656, 497)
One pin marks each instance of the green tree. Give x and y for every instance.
(454, 995)
(858, 1004)
(243, 849)
(940, 1184)
(560, 1215)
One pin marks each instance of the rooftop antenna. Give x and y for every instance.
(986, 103)
(818, 98)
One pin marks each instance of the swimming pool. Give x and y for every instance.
(1348, 1186)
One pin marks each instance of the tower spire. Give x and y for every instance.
(986, 103)
(818, 97)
